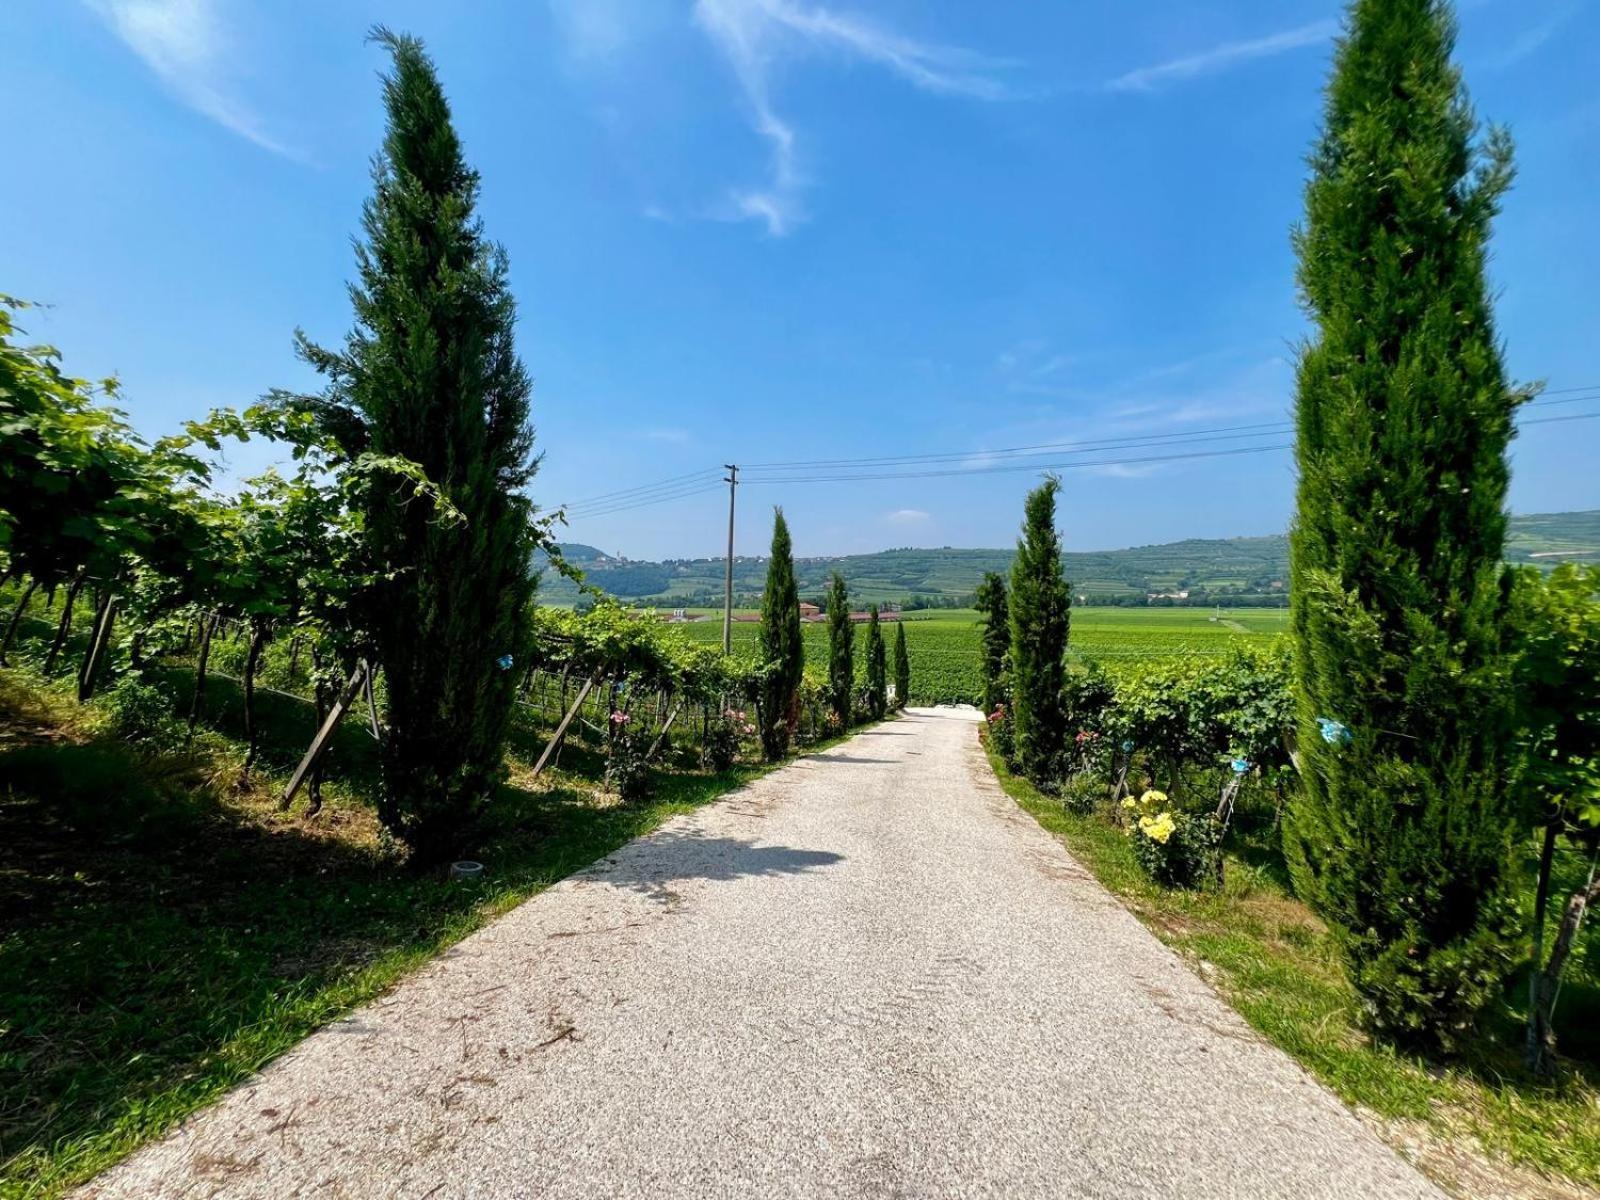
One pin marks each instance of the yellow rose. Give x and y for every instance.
(1159, 828)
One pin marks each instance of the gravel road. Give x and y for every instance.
(868, 974)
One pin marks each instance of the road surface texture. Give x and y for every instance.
(867, 974)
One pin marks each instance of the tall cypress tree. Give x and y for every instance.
(1400, 835)
(430, 374)
(1040, 605)
(902, 667)
(877, 668)
(841, 651)
(782, 652)
(991, 602)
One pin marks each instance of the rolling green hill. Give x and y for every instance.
(1228, 571)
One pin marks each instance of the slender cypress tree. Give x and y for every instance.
(877, 668)
(430, 374)
(991, 602)
(782, 652)
(1040, 607)
(1401, 833)
(902, 667)
(841, 651)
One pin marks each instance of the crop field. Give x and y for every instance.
(944, 645)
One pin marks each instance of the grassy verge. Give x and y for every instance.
(1270, 957)
(165, 931)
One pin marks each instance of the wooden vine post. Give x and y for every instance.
(64, 628)
(1546, 985)
(656, 745)
(319, 744)
(16, 619)
(97, 646)
(561, 730)
(372, 703)
(208, 629)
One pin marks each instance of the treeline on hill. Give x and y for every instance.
(1249, 572)
(1441, 711)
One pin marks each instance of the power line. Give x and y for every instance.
(606, 497)
(1568, 417)
(1066, 466)
(646, 502)
(1223, 431)
(1220, 432)
(708, 479)
(1541, 402)
(687, 489)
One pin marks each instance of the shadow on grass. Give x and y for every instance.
(163, 937)
(286, 724)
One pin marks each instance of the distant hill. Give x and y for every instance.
(1229, 571)
(578, 554)
(1550, 538)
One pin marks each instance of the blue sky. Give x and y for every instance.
(764, 231)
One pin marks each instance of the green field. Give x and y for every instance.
(944, 645)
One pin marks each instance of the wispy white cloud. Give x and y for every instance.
(753, 35)
(592, 29)
(1125, 470)
(1032, 367)
(1532, 39)
(184, 43)
(678, 437)
(1253, 390)
(1158, 409)
(1222, 58)
(906, 516)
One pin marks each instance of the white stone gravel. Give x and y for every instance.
(868, 974)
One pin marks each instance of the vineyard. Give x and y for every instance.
(945, 664)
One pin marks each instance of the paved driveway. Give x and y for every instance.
(868, 974)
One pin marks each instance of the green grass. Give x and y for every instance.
(1275, 962)
(165, 932)
(944, 643)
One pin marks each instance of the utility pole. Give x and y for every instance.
(732, 480)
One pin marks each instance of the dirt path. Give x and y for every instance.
(867, 974)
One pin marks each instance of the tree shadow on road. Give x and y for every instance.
(669, 857)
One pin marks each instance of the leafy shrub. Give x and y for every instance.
(1003, 734)
(813, 702)
(1089, 753)
(1087, 694)
(627, 771)
(727, 729)
(141, 712)
(1176, 849)
(1202, 711)
(1080, 793)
